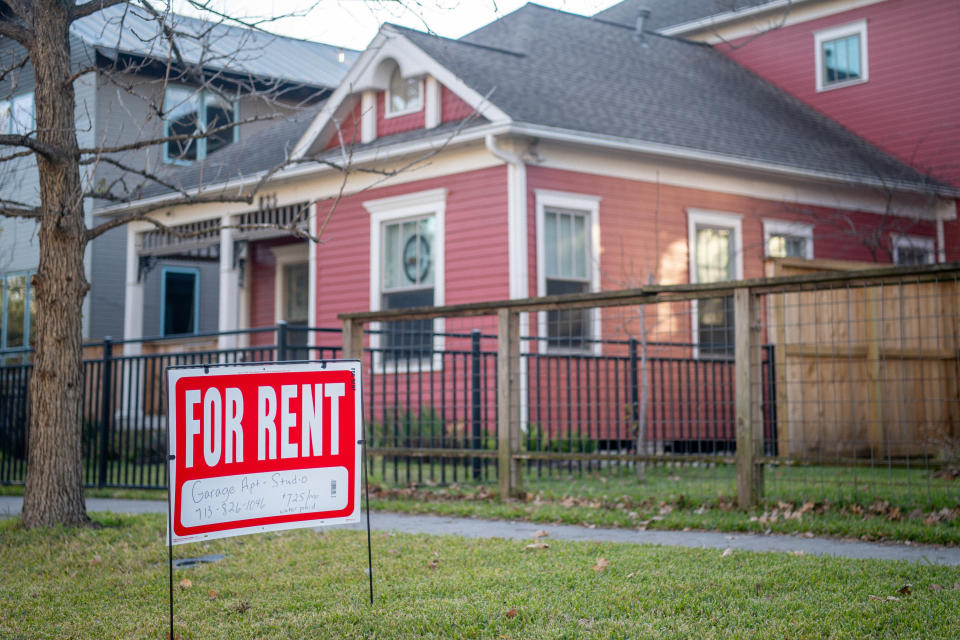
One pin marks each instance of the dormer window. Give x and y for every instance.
(841, 54)
(191, 112)
(405, 95)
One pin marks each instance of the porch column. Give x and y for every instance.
(133, 300)
(229, 308)
(312, 277)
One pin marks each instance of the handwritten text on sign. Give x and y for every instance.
(263, 447)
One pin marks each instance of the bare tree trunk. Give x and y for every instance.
(54, 486)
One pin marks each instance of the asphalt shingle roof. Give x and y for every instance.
(669, 13)
(547, 67)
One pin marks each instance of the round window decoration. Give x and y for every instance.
(416, 259)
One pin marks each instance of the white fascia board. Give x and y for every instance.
(434, 142)
(413, 61)
(685, 153)
(731, 25)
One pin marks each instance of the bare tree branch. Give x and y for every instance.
(18, 210)
(46, 150)
(91, 6)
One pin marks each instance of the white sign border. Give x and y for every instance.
(176, 373)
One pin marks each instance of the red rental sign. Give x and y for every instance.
(258, 448)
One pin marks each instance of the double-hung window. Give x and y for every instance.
(567, 248)
(785, 239)
(16, 312)
(16, 114)
(198, 117)
(406, 266)
(715, 242)
(841, 55)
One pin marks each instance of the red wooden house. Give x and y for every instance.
(554, 153)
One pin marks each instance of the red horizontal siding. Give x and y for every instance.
(398, 124)
(452, 107)
(910, 106)
(475, 245)
(349, 129)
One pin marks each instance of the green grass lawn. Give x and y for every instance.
(863, 503)
(111, 582)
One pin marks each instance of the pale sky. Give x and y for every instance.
(353, 23)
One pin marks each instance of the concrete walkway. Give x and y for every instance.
(476, 528)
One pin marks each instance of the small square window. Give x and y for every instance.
(190, 112)
(841, 55)
(912, 250)
(786, 239)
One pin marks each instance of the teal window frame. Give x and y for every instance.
(203, 95)
(5, 309)
(196, 299)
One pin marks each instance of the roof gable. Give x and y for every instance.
(392, 46)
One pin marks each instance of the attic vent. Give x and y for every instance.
(643, 14)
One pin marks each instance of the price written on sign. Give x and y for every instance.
(263, 447)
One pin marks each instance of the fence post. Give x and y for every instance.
(508, 401)
(106, 402)
(475, 398)
(634, 391)
(282, 341)
(352, 340)
(749, 419)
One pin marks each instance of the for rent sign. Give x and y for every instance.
(263, 447)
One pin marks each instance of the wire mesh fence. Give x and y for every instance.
(820, 387)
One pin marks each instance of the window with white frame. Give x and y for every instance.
(193, 112)
(912, 250)
(16, 114)
(715, 242)
(567, 250)
(405, 95)
(841, 55)
(292, 294)
(786, 239)
(180, 301)
(16, 311)
(406, 268)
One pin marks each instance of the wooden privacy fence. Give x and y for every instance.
(852, 369)
(865, 370)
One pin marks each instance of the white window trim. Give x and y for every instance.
(905, 241)
(388, 113)
(787, 228)
(201, 142)
(832, 33)
(285, 255)
(696, 217)
(589, 204)
(411, 205)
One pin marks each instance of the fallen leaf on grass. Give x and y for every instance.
(511, 613)
(96, 559)
(536, 546)
(586, 623)
(905, 590)
(630, 575)
(936, 587)
(434, 563)
(602, 564)
(242, 607)
(213, 595)
(956, 586)
(887, 599)
(186, 583)
(727, 552)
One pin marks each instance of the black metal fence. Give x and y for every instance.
(443, 399)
